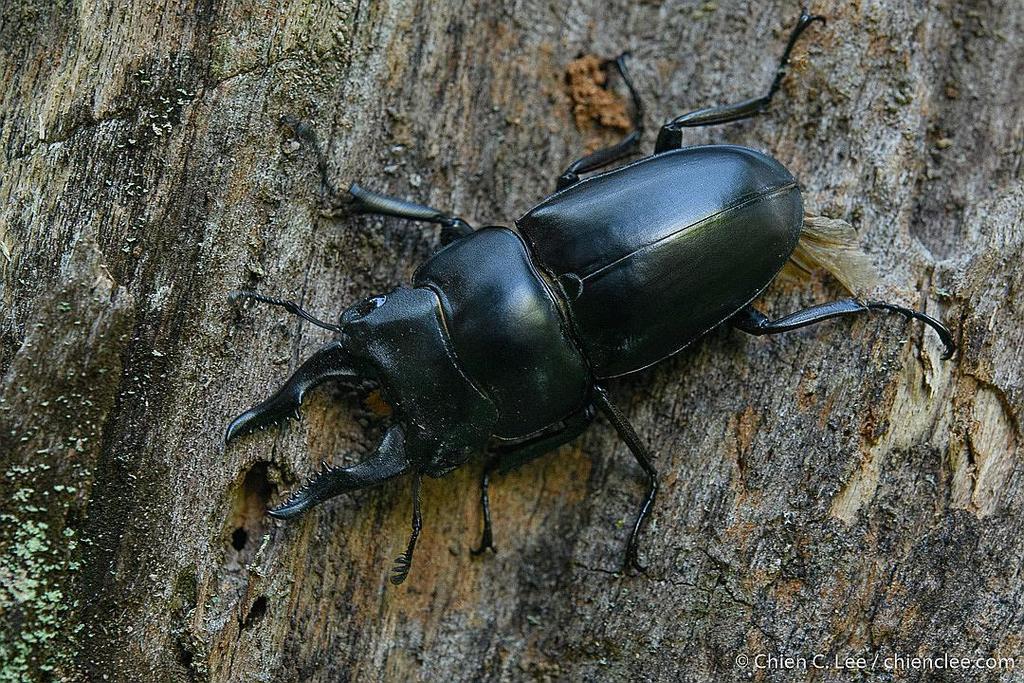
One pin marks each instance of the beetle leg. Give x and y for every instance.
(360, 201)
(303, 131)
(507, 457)
(623, 148)
(752, 321)
(643, 457)
(404, 561)
(671, 134)
(487, 537)
(367, 202)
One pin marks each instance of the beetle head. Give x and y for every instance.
(343, 358)
(440, 418)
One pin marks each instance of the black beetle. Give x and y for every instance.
(503, 341)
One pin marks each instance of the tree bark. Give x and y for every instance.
(837, 490)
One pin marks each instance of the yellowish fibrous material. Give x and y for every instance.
(831, 244)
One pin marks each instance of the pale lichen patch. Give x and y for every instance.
(992, 444)
(918, 412)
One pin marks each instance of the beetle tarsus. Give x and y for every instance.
(940, 329)
(305, 133)
(632, 561)
(486, 543)
(621, 149)
(805, 20)
(403, 563)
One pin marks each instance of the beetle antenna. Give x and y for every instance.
(289, 306)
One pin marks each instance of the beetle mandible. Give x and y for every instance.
(505, 339)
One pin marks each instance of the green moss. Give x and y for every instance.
(32, 570)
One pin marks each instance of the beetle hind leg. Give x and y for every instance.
(671, 134)
(753, 321)
(621, 149)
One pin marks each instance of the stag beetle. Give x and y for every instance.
(504, 341)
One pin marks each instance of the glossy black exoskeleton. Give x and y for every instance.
(502, 344)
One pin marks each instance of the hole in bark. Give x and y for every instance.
(256, 612)
(238, 538)
(247, 516)
(185, 657)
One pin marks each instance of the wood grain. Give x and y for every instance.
(834, 490)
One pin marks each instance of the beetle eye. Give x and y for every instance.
(370, 305)
(363, 309)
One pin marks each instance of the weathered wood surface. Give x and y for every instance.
(835, 490)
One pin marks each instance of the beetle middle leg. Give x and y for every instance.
(359, 200)
(671, 134)
(623, 148)
(753, 321)
(505, 458)
(643, 457)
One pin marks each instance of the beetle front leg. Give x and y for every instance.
(508, 457)
(487, 537)
(643, 457)
(366, 202)
(671, 134)
(361, 201)
(404, 561)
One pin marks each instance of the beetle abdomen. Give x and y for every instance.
(655, 254)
